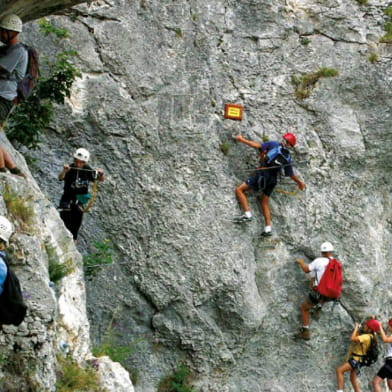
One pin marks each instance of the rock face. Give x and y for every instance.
(56, 324)
(30, 9)
(187, 284)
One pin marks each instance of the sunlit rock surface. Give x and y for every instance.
(187, 285)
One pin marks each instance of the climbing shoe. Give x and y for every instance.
(266, 234)
(304, 333)
(242, 219)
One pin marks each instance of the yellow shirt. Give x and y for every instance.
(361, 347)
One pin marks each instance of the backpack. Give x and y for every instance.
(330, 284)
(26, 85)
(278, 156)
(371, 355)
(12, 307)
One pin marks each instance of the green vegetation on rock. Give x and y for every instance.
(32, 116)
(305, 83)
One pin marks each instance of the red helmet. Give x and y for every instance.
(373, 325)
(290, 138)
(390, 322)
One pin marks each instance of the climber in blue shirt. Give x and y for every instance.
(3, 271)
(273, 156)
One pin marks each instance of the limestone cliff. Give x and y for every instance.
(188, 285)
(56, 326)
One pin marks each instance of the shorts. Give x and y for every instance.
(356, 365)
(386, 370)
(264, 180)
(315, 297)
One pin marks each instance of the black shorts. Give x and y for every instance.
(316, 298)
(386, 370)
(355, 365)
(263, 180)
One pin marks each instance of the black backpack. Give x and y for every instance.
(371, 356)
(26, 85)
(12, 307)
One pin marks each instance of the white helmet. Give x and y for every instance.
(11, 22)
(6, 229)
(326, 247)
(82, 154)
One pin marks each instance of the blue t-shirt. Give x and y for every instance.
(3, 271)
(267, 146)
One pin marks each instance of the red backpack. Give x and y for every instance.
(330, 284)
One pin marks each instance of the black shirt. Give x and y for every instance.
(76, 181)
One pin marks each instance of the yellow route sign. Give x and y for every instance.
(233, 111)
